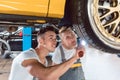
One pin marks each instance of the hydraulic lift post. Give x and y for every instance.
(27, 38)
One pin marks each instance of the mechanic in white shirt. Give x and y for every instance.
(66, 50)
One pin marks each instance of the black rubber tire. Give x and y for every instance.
(79, 15)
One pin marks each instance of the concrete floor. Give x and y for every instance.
(5, 65)
(99, 65)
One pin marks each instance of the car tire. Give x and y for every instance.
(88, 17)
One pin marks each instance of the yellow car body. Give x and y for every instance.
(38, 8)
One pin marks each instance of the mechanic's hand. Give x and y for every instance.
(80, 52)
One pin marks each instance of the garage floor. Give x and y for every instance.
(5, 65)
(96, 65)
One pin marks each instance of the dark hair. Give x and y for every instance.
(45, 28)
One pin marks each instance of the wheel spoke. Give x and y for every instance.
(104, 7)
(118, 36)
(110, 11)
(116, 25)
(108, 23)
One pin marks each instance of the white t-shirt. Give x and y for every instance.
(57, 59)
(18, 72)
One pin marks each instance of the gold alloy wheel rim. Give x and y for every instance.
(106, 14)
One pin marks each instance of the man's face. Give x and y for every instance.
(49, 41)
(69, 39)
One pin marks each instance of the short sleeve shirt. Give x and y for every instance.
(18, 72)
(57, 59)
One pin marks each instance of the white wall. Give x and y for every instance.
(98, 65)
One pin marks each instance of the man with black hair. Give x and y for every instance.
(32, 64)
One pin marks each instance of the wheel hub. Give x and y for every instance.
(106, 14)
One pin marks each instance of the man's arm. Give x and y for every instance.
(48, 73)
